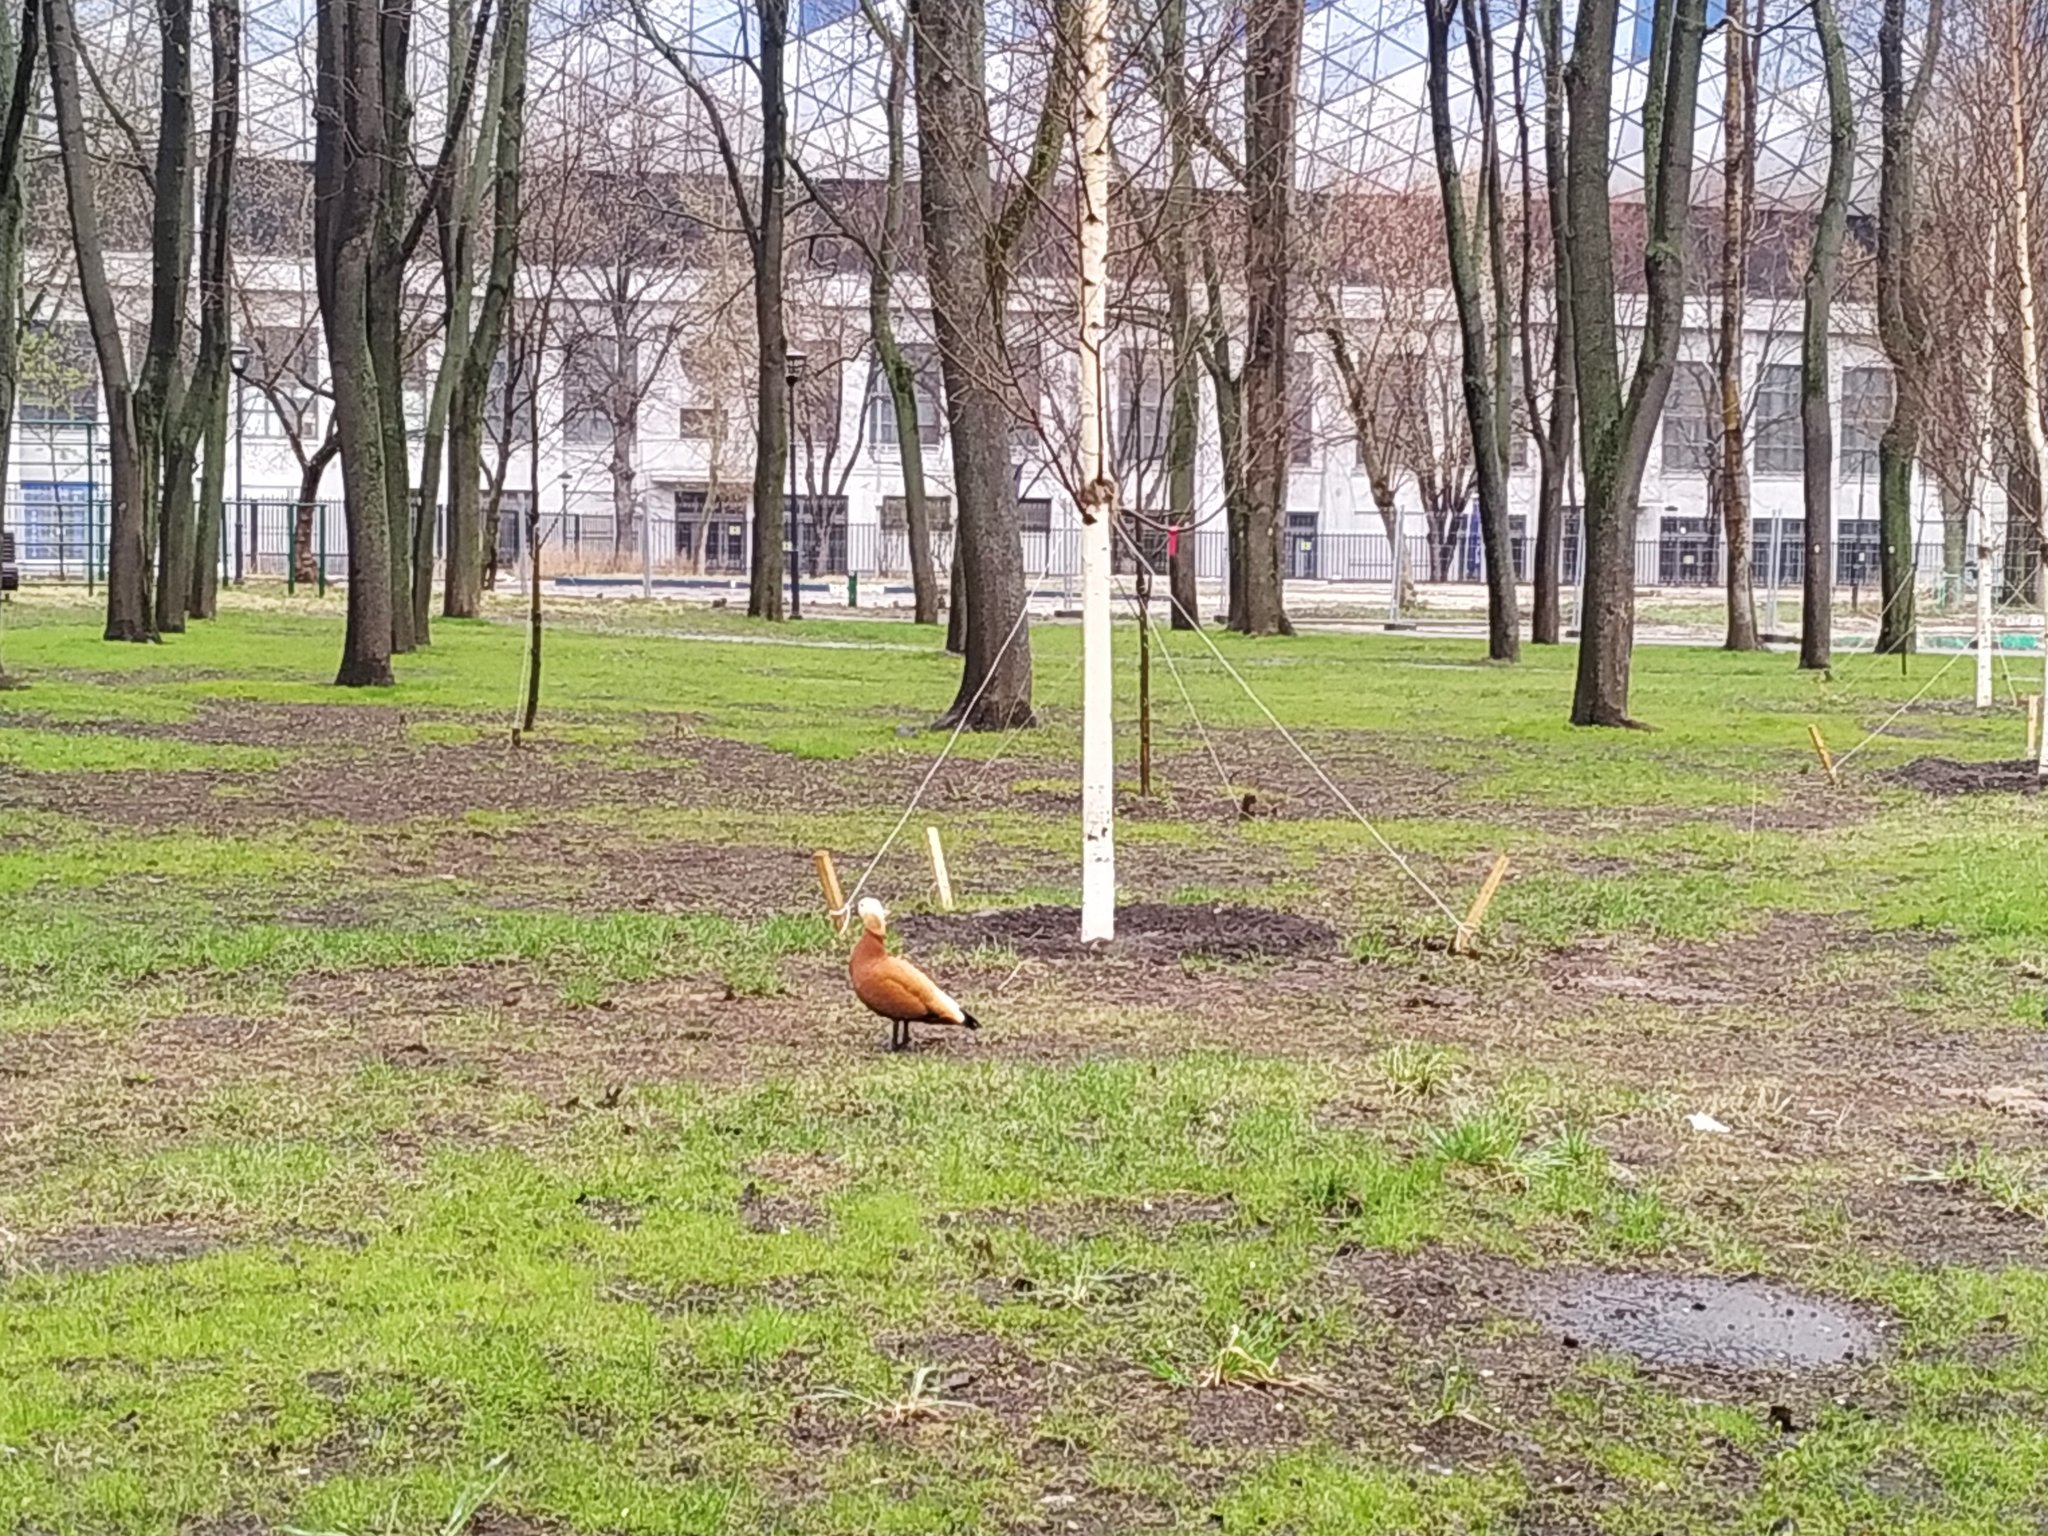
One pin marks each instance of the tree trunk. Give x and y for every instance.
(1554, 437)
(897, 374)
(1955, 542)
(966, 285)
(1901, 317)
(625, 497)
(1182, 423)
(533, 625)
(349, 151)
(1617, 423)
(1816, 416)
(130, 614)
(160, 417)
(191, 544)
(901, 380)
(1272, 66)
(771, 341)
(956, 600)
(213, 479)
(455, 218)
(1737, 187)
(305, 538)
(18, 61)
(462, 597)
(1183, 335)
(1476, 371)
(386, 312)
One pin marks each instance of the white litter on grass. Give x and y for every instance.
(1705, 1122)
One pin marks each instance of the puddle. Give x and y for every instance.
(1742, 1325)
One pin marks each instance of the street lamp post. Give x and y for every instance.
(792, 375)
(238, 359)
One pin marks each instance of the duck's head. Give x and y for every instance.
(873, 915)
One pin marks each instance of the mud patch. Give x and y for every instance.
(86, 1250)
(1946, 776)
(1675, 1320)
(1144, 930)
(236, 1523)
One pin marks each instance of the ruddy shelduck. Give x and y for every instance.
(894, 988)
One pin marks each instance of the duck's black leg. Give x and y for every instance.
(899, 1035)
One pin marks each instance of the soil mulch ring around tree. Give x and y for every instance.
(1946, 776)
(1150, 930)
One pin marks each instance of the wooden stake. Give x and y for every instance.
(1827, 758)
(828, 881)
(939, 875)
(1468, 930)
(2033, 727)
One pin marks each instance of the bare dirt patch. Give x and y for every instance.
(1149, 930)
(84, 1250)
(1946, 776)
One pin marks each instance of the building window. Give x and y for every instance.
(698, 423)
(711, 536)
(1034, 513)
(56, 519)
(1688, 552)
(1857, 546)
(926, 387)
(1866, 412)
(1691, 421)
(938, 514)
(1780, 447)
(1140, 408)
(1788, 537)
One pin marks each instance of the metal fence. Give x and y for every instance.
(269, 537)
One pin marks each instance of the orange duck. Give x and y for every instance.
(894, 988)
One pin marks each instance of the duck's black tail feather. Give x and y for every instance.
(968, 1020)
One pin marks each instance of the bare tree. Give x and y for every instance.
(1742, 54)
(191, 535)
(970, 247)
(1388, 360)
(1183, 330)
(881, 236)
(1816, 618)
(294, 403)
(19, 46)
(1272, 72)
(503, 137)
(1618, 419)
(1551, 410)
(1482, 352)
(1901, 311)
(762, 213)
(130, 614)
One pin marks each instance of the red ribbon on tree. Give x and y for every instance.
(1172, 540)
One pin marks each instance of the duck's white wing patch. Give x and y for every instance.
(945, 1007)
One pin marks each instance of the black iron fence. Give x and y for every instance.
(276, 538)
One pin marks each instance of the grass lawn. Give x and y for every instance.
(406, 1130)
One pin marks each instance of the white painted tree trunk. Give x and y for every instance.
(1098, 499)
(1987, 543)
